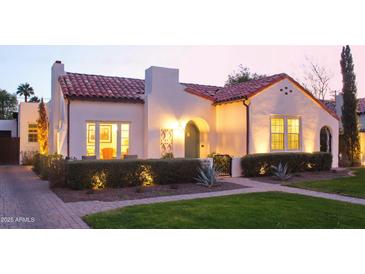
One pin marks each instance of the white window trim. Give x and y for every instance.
(286, 149)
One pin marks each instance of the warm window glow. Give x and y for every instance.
(285, 133)
(293, 134)
(90, 139)
(277, 133)
(108, 140)
(32, 133)
(125, 139)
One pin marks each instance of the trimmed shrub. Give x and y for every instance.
(57, 170)
(124, 173)
(50, 167)
(260, 164)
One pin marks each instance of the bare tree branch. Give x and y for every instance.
(317, 79)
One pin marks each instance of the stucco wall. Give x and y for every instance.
(28, 114)
(296, 103)
(9, 125)
(56, 110)
(362, 145)
(83, 111)
(168, 106)
(231, 129)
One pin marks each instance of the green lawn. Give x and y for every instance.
(255, 210)
(350, 186)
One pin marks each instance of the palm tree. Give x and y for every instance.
(25, 90)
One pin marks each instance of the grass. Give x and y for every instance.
(349, 186)
(254, 210)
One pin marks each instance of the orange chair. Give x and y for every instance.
(107, 153)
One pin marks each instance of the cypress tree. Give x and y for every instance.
(350, 121)
(42, 124)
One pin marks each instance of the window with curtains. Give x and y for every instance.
(285, 133)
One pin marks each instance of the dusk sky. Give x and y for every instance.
(197, 64)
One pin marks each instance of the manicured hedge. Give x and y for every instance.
(123, 173)
(260, 164)
(50, 167)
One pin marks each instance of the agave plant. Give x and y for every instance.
(207, 177)
(281, 172)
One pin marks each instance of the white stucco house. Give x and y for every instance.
(19, 135)
(109, 117)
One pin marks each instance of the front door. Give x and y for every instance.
(192, 141)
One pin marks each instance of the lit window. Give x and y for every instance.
(277, 133)
(90, 139)
(125, 139)
(32, 133)
(285, 133)
(293, 134)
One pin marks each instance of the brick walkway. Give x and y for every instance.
(27, 202)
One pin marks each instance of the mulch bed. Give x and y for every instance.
(132, 193)
(306, 176)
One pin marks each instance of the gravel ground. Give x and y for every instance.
(133, 193)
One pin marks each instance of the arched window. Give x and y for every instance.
(325, 140)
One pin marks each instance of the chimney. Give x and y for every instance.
(57, 69)
(161, 80)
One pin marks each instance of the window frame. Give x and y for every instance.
(32, 133)
(271, 133)
(286, 134)
(98, 122)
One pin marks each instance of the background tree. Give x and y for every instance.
(8, 104)
(25, 90)
(34, 99)
(42, 124)
(350, 122)
(317, 79)
(243, 75)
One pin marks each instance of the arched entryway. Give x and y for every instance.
(192, 140)
(325, 140)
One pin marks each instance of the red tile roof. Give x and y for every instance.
(330, 104)
(88, 86)
(76, 85)
(82, 86)
(246, 89)
(204, 91)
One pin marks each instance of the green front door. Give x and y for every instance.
(192, 141)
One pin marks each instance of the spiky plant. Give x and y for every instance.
(207, 177)
(281, 172)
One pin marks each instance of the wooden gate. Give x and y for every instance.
(9, 151)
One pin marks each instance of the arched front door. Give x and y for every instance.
(325, 140)
(192, 141)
